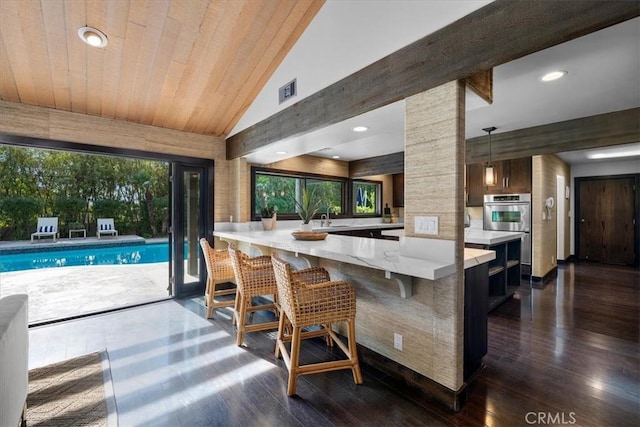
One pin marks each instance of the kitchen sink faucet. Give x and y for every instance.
(326, 217)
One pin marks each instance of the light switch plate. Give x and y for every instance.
(426, 225)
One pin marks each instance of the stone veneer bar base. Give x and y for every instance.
(424, 389)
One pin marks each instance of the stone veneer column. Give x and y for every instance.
(239, 189)
(434, 186)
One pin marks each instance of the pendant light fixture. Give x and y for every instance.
(489, 171)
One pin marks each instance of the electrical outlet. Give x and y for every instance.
(397, 341)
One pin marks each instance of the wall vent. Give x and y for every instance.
(287, 91)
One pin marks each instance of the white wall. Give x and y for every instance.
(597, 168)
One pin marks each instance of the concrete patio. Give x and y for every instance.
(62, 292)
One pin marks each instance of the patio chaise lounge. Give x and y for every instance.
(105, 226)
(47, 226)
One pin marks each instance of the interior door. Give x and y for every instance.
(192, 208)
(606, 220)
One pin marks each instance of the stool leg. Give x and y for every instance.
(209, 296)
(242, 314)
(328, 338)
(353, 352)
(295, 360)
(236, 307)
(280, 334)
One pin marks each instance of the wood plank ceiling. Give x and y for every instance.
(190, 65)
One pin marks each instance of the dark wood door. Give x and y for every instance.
(606, 212)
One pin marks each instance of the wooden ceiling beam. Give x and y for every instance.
(603, 130)
(493, 35)
(619, 127)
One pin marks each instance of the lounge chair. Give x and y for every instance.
(105, 226)
(47, 227)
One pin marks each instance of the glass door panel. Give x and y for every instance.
(191, 224)
(192, 219)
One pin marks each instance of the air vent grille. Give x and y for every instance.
(287, 91)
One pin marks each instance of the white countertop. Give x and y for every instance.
(474, 235)
(373, 253)
(483, 237)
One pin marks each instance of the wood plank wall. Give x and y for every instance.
(544, 232)
(312, 164)
(46, 123)
(387, 164)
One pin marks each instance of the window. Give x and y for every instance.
(272, 187)
(280, 189)
(366, 198)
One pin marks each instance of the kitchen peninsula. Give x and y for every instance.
(504, 270)
(398, 324)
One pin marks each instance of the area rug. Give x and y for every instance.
(75, 392)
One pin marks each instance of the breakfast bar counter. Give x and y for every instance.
(418, 318)
(372, 253)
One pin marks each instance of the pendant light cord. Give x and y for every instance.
(489, 130)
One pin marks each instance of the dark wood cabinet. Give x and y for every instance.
(475, 189)
(518, 178)
(513, 176)
(476, 307)
(504, 271)
(398, 190)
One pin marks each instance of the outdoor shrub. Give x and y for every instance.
(20, 214)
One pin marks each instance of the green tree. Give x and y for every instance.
(82, 187)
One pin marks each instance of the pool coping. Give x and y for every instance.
(25, 246)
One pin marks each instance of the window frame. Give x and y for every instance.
(256, 170)
(352, 198)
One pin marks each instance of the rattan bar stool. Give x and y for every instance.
(307, 298)
(219, 270)
(254, 277)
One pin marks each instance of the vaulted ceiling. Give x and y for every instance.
(191, 65)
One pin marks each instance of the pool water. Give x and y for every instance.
(108, 255)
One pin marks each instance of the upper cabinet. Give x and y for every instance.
(398, 190)
(514, 176)
(473, 184)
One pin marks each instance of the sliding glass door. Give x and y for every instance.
(192, 219)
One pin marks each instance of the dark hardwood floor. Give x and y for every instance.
(564, 353)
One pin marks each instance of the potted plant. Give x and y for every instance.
(268, 214)
(307, 208)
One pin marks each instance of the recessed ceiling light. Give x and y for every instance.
(335, 157)
(553, 75)
(360, 129)
(93, 36)
(281, 152)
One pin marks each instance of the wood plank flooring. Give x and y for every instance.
(567, 352)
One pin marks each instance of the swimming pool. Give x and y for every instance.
(108, 255)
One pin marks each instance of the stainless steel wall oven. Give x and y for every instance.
(510, 212)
